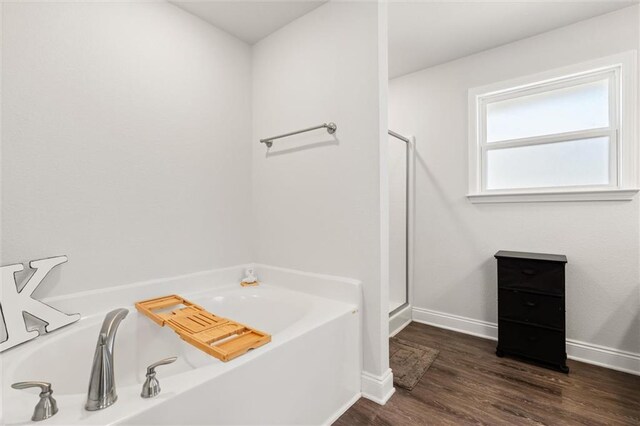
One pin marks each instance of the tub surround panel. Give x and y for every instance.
(98, 302)
(328, 286)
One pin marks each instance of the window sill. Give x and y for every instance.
(558, 196)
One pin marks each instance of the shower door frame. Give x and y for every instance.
(408, 218)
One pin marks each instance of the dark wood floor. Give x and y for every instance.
(468, 384)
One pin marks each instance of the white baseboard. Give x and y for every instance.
(377, 389)
(399, 320)
(335, 416)
(464, 325)
(603, 356)
(589, 353)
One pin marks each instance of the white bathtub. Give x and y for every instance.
(308, 374)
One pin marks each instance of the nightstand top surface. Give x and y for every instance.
(532, 256)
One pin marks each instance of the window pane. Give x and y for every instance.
(581, 107)
(579, 162)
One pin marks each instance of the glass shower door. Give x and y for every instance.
(398, 225)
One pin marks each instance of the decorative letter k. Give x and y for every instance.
(14, 303)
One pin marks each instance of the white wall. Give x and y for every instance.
(317, 197)
(455, 272)
(127, 145)
(125, 142)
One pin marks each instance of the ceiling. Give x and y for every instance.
(424, 34)
(249, 21)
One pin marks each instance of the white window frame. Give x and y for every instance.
(621, 71)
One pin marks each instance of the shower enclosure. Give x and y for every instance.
(399, 155)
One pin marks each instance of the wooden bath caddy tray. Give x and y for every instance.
(220, 337)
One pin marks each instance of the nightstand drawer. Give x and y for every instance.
(532, 308)
(541, 344)
(545, 277)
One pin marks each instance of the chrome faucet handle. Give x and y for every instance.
(47, 406)
(151, 386)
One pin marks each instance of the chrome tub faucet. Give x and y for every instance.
(102, 384)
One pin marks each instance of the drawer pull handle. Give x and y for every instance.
(532, 338)
(530, 304)
(528, 271)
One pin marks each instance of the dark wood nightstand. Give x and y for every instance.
(531, 308)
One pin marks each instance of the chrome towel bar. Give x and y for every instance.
(331, 129)
(399, 136)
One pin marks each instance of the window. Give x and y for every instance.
(555, 136)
